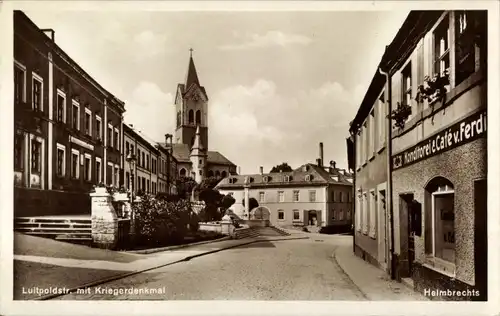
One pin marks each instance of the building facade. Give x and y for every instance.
(312, 195)
(67, 127)
(369, 130)
(435, 81)
(191, 110)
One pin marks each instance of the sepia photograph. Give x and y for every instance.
(201, 152)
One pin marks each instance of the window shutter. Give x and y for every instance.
(396, 93)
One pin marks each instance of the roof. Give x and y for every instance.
(181, 152)
(192, 75)
(415, 26)
(141, 137)
(319, 177)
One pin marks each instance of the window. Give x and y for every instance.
(117, 139)
(341, 215)
(191, 116)
(147, 161)
(37, 92)
(281, 215)
(98, 127)
(143, 159)
(198, 117)
(371, 141)
(281, 196)
(87, 167)
(178, 119)
(381, 121)
(127, 148)
(98, 169)
(312, 196)
(224, 174)
(334, 198)
(466, 29)
(296, 195)
(373, 211)
(75, 171)
(406, 85)
(442, 47)
(110, 136)
(348, 214)
(61, 160)
(19, 83)
(201, 162)
(88, 122)
(61, 107)
(358, 212)
(201, 172)
(358, 150)
(143, 184)
(364, 143)
(261, 197)
(18, 152)
(296, 215)
(75, 114)
(147, 185)
(365, 213)
(36, 156)
(340, 197)
(117, 176)
(443, 222)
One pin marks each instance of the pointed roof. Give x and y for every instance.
(192, 75)
(197, 140)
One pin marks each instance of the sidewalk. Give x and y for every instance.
(372, 281)
(43, 264)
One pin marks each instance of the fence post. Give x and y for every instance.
(104, 220)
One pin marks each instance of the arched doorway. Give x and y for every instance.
(261, 213)
(182, 172)
(210, 173)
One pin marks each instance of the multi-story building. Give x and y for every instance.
(369, 128)
(437, 149)
(67, 126)
(167, 168)
(191, 106)
(146, 153)
(312, 195)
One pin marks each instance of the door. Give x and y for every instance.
(408, 202)
(313, 219)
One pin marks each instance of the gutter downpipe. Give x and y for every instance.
(389, 170)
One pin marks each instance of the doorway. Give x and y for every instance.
(407, 235)
(313, 218)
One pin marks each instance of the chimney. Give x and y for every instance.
(239, 170)
(320, 154)
(334, 165)
(318, 162)
(261, 170)
(52, 34)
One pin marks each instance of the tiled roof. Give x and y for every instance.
(141, 137)
(318, 176)
(181, 153)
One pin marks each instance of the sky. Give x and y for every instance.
(278, 83)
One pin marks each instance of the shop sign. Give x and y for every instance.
(81, 143)
(467, 130)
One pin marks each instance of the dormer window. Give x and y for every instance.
(288, 178)
(308, 177)
(305, 168)
(232, 180)
(266, 178)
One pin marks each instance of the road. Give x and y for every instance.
(280, 270)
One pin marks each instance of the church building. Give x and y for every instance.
(189, 143)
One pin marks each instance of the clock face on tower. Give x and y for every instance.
(196, 97)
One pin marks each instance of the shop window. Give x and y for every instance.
(441, 214)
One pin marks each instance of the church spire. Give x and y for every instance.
(197, 140)
(192, 76)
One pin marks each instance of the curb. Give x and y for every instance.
(334, 256)
(154, 250)
(125, 275)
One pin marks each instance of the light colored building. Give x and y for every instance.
(311, 195)
(191, 106)
(145, 174)
(437, 149)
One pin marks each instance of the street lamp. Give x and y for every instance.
(131, 162)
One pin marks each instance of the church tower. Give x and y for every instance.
(191, 106)
(198, 157)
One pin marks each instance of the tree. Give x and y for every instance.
(284, 167)
(185, 186)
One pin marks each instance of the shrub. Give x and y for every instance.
(159, 221)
